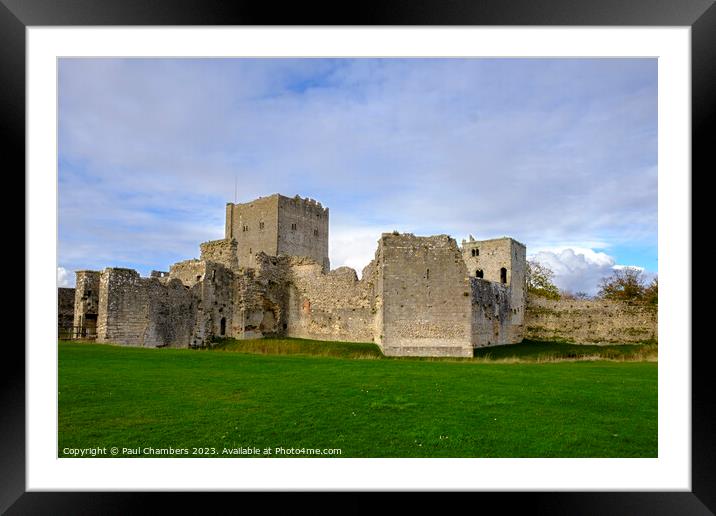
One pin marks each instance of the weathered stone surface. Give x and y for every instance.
(589, 321)
(426, 297)
(144, 311)
(222, 251)
(492, 314)
(86, 302)
(329, 306)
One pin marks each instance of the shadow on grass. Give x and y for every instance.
(538, 351)
(526, 351)
(294, 346)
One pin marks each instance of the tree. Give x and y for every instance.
(626, 284)
(651, 293)
(539, 280)
(568, 294)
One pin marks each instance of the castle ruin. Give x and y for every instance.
(270, 276)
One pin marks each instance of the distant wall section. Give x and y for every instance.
(590, 321)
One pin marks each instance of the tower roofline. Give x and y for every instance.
(471, 243)
(306, 200)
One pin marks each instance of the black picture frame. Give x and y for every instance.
(700, 15)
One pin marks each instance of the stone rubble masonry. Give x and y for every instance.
(144, 312)
(419, 296)
(329, 306)
(492, 314)
(222, 251)
(590, 321)
(86, 301)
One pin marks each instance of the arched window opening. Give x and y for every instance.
(503, 275)
(222, 325)
(479, 273)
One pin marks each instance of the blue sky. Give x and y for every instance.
(560, 154)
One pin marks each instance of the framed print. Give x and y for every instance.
(163, 149)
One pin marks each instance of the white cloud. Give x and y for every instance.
(65, 278)
(576, 269)
(579, 269)
(353, 247)
(152, 149)
(630, 267)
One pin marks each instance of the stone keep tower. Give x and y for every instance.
(501, 260)
(279, 225)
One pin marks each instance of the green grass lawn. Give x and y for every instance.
(339, 395)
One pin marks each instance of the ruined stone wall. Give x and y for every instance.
(330, 306)
(123, 307)
(491, 314)
(144, 312)
(172, 314)
(86, 301)
(223, 251)
(303, 229)
(254, 225)
(426, 297)
(261, 298)
(65, 310)
(250, 315)
(189, 272)
(215, 305)
(589, 321)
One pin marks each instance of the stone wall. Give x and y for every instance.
(65, 310)
(189, 272)
(426, 297)
(254, 226)
(215, 311)
(144, 312)
(303, 229)
(86, 302)
(329, 306)
(489, 257)
(492, 314)
(589, 321)
(224, 251)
